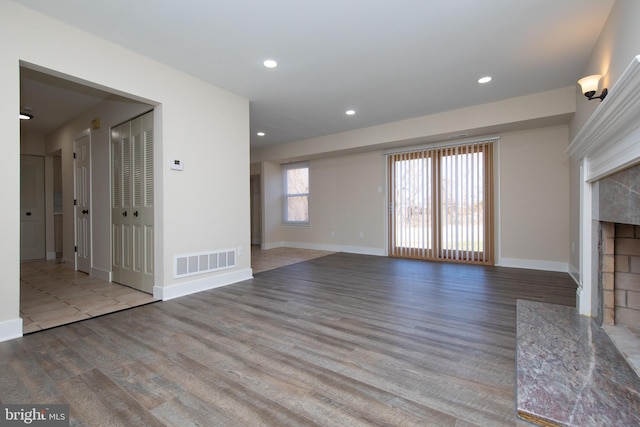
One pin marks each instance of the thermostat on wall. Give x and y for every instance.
(177, 165)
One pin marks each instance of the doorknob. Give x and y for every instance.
(28, 214)
(124, 213)
(85, 211)
(135, 214)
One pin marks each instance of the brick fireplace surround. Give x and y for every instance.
(616, 298)
(620, 246)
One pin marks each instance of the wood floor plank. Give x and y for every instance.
(100, 402)
(339, 340)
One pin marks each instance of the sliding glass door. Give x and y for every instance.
(441, 203)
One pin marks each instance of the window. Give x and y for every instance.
(441, 202)
(296, 194)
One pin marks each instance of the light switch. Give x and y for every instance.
(177, 165)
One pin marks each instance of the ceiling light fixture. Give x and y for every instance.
(25, 116)
(270, 63)
(589, 87)
(261, 134)
(350, 112)
(484, 80)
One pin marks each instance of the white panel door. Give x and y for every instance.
(82, 212)
(132, 203)
(121, 204)
(32, 229)
(142, 199)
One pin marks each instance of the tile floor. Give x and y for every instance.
(53, 294)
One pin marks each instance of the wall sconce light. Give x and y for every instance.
(589, 87)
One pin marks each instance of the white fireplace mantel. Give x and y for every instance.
(608, 143)
(610, 139)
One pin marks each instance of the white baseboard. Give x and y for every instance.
(362, 250)
(51, 255)
(191, 287)
(101, 274)
(575, 275)
(272, 245)
(533, 264)
(10, 329)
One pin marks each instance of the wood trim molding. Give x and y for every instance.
(610, 139)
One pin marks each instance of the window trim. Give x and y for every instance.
(286, 195)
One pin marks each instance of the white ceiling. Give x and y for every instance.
(388, 60)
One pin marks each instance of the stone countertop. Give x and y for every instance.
(569, 373)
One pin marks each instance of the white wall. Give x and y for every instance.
(524, 112)
(205, 207)
(534, 190)
(346, 205)
(350, 163)
(344, 199)
(272, 189)
(32, 143)
(616, 47)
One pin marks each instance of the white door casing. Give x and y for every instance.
(82, 208)
(32, 224)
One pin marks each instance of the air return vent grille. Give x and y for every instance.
(204, 262)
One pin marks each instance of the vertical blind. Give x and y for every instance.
(441, 203)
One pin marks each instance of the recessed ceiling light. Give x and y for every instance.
(486, 79)
(25, 116)
(261, 134)
(270, 63)
(350, 112)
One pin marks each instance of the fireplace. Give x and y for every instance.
(618, 289)
(617, 294)
(608, 151)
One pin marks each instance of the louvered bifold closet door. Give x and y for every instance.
(119, 222)
(132, 203)
(143, 199)
(441, 203)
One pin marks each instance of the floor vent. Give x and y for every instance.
(204, 262)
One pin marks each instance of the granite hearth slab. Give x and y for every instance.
(569, 373)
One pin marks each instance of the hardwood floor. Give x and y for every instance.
(339, 340)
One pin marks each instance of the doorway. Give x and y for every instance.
(441, 203)
(61, 108)
(256, 210)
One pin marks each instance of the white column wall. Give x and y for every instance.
(205, 207)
